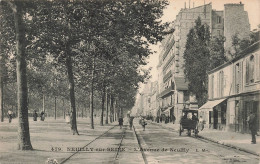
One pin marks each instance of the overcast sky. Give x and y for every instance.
(251, 6)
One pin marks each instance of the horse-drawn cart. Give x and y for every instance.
(189, 123)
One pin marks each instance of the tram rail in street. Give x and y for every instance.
(140, 146)
(116, 157)
(228, 147)
(120, 144)
(66, 159)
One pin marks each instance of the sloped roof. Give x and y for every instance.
(252, 48)
(181, 83)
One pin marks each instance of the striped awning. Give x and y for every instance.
(211, 104)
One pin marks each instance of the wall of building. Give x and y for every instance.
(217, 20)
(235, 21)
(185, 20)
(240, 101)
(215, 86)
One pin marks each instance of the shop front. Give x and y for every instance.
(214, 113)
(249, 103)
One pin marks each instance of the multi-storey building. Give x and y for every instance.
(147, 103)
(154, 102)
(173, 95)
(234, 92)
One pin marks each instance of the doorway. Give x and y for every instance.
(215, 118)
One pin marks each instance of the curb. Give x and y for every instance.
(230, 145)
(215, 141)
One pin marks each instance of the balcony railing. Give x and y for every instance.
(167, 76)
(167, 91)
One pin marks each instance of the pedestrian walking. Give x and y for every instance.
(121, 120)
(128, 114)
(143, 123)
(35, 115)
(42, 116)
(10, 115)
(131, 118)
(252, 126)
(201, 123)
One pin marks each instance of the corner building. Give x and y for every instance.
(173, 96)
(234, 92)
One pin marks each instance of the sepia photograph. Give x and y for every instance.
(129, 81)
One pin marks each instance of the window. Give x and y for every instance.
(223, 114)
(221, 83)
(250, 69)
(211, 86)
(186, 96)
(218, 19)
(237, 78)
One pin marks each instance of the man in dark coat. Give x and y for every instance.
(131, 118)
(121, 120)
(35, 115)
(252, 126)
(42, 116)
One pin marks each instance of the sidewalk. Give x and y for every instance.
(50, 139)
(231, 139)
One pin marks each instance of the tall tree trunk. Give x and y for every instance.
(92, 105)
(82, 111)
(107, 105)
(92, 93)
(63, 109)
(1, 89)
(55, 107)
(115, 109)
(72, 91)
(43, 103)
(103, 104)
(86, 113)
(24, 141)
(77, 111)
(112, 107)
(118, 110)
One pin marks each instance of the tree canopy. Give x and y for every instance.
(88, 47)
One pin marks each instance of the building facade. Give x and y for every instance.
(234, 92)
(147, 104)
(173, 95)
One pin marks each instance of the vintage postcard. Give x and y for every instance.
(129, 81)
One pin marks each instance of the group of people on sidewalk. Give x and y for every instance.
(130, 118)
(10, 115)
(35, 115)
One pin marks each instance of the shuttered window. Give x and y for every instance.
(212, 86)
(251, 69)
(221, 83)
(247, 71)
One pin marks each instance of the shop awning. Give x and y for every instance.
(211, 104)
